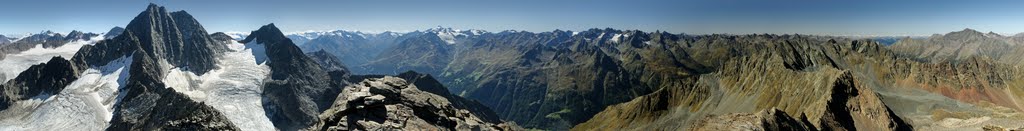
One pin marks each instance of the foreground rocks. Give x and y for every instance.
(767, 120)
(391, 103)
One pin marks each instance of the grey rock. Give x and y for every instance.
(766, 120)
(391, 103)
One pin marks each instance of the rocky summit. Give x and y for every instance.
(392, 103)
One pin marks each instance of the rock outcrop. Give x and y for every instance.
(391, 103)
(766, 120)
(852, 107)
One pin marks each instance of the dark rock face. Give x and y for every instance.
(44, 79)
(149, 105)
(327, 61)
(842, 109)
(298, 87)
(391, 103)
(146, 103)
(172, 36)
(114, 32)
(75, 35)
(339, 72)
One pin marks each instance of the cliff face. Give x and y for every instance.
(141, 101)
(172, 36)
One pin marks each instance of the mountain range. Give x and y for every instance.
(164, 71)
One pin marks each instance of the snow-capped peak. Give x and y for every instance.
(450, 35)
(237, 35)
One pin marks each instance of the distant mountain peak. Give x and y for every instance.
(993, 34)
(442, 29)
(114, 32)
(967, 32)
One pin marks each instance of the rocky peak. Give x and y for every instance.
(966, 33)
(114, 32)
(175, 37)
(442, 29)
(221, 37)
(76, 35)
(392, 103)
(298, 87)
(265, 35)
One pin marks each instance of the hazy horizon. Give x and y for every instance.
(833, 18)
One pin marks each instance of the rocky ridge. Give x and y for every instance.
(46, 39)
(298, 87)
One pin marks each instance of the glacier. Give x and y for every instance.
(234, 89)
(85, 104)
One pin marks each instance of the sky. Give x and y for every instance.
(818, 17)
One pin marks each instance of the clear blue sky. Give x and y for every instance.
(678, 16)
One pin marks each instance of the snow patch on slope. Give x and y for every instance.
(616, 37)
(85, 104)
(14, 64)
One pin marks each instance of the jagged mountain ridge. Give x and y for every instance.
(555, 79)
(642, 54)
